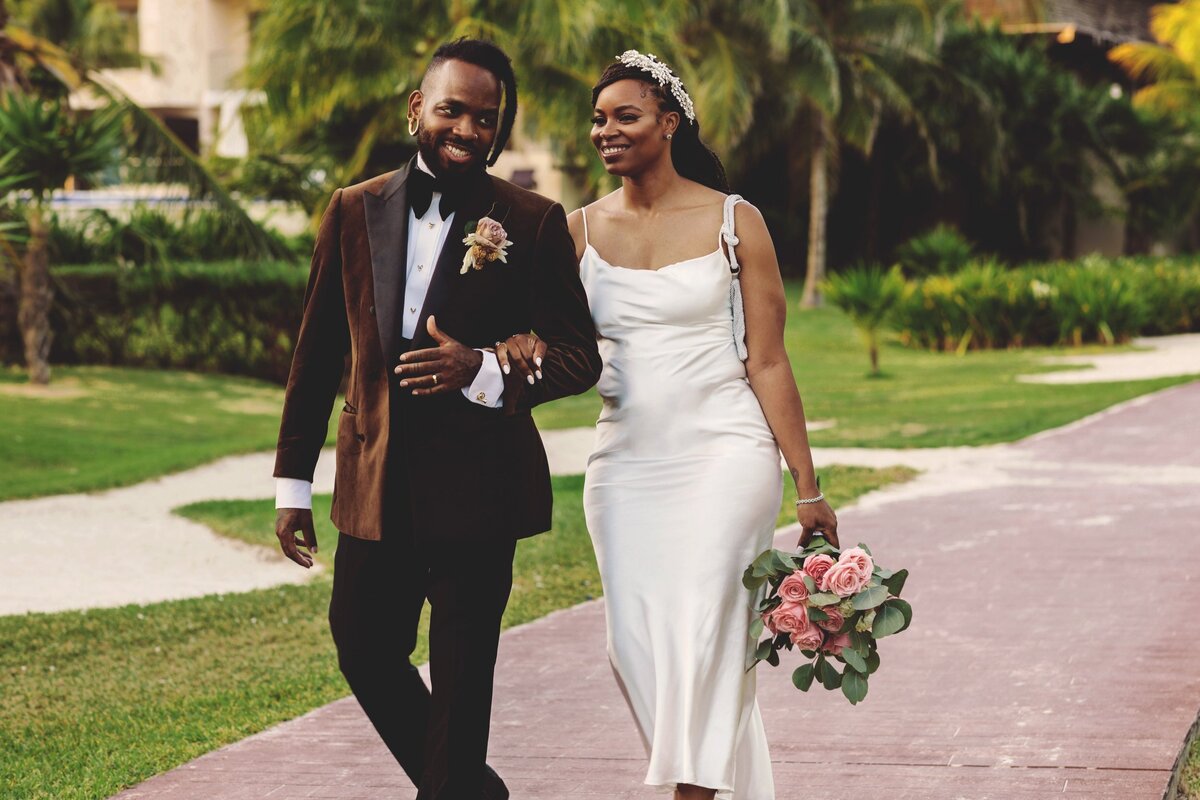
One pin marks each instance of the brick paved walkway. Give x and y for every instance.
(1053, 653)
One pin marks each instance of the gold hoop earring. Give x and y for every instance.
(412, 126)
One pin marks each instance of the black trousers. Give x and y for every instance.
(439, 734)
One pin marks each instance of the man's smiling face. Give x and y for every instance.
(457, 108)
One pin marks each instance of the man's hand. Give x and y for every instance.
(817, 518)
(287, 522)
(449, 367)
(526, 351)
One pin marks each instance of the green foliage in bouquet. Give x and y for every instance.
(868, 614)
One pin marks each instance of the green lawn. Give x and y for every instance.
(1189, 780)
(924, 399)
(99, 427)
(100, 700)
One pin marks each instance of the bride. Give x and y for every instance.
(683, 488)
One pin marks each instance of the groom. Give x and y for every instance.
(439, 466)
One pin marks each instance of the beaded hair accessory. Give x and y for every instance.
(663, 75)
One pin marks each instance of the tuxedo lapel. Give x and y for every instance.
(387, 233)
(446, 277)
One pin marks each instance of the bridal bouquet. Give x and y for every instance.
(833, 605)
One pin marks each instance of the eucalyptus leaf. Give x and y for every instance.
(824, 599)
(828, 675)
(870, 597)
(854, 686)
(773, 658)
(867, 549)
(904, 608)
(872, 662)
(763, 650)
(854, 660)
(895, 582)
(752, 581)
(888, 620)
(803, 676)
(810, 584)
(756, 627)
(816, 615)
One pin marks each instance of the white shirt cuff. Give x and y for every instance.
(488, 387)
(293, 493)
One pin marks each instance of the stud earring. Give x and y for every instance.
(669, 135)
(412, 126)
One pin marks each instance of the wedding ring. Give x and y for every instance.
(435, 379)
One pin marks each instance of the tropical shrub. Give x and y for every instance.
(1065, 303)
(867, 294)
(940, 251)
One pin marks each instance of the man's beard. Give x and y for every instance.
(427, 144)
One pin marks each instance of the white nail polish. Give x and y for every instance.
(529, 378)
(506, 369)
(538, 374)
(538, 361)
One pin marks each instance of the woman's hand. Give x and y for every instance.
(817, 518)
(524, 351)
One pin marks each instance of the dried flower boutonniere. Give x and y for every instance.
(487, 242)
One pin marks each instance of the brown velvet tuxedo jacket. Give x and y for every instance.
(473, 472)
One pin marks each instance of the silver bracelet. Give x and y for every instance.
(817, 499)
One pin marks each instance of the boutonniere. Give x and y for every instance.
(486, 241)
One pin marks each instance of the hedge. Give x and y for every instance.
(1094, 299)
(237, 317)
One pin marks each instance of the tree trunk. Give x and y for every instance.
(1070, 229)
(873, 349)
(37, 295)
(818, 211)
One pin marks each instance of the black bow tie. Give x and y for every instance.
(422, 185)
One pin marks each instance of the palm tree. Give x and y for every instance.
(53, 142)
(845, 68)
(867, 294)
(47, 143)
(339, 72)
(1171, 68)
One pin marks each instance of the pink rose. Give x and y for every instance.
(790, 617)
(837, 644)
(808, 638)
(835, 621)
(793, 590)
(816, 567)
(859, 558)
(491, 233)
(845, 579)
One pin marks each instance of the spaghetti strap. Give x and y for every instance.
(727, 236)
(736, 306)
(583, 211)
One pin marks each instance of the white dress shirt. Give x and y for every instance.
(426, 237)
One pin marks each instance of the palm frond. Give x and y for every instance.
(1169, 97)
(155, 154)
(1150, 62)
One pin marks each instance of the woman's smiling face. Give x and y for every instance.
(629, 128)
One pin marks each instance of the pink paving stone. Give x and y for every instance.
(1048, 657)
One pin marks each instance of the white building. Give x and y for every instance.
(199, 47)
